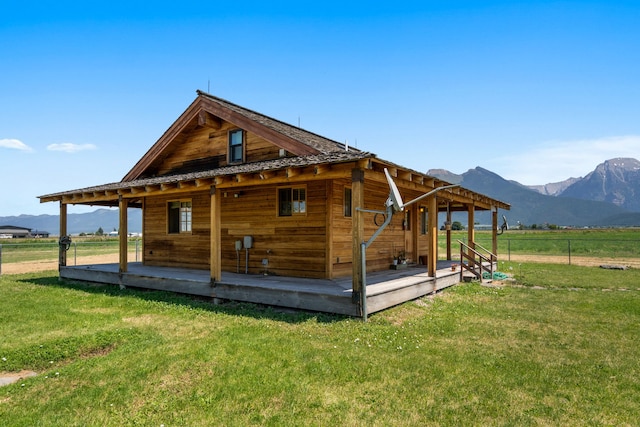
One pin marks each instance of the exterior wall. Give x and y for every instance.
(189, 250)
(341, 230)
(294, 246)
(205, 143)
(314, 245)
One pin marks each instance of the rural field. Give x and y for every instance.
(556, 344)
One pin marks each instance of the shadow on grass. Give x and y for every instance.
(256, 311)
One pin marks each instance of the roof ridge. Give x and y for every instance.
(338, 146)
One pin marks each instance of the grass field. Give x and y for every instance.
(556, 347)
(586, 242)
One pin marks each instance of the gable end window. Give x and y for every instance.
(236, 146)
(292, 201)
(179, 216)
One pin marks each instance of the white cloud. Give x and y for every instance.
(556, 161)
(70, 148)
(15, 144)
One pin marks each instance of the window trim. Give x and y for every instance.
(188, 221)
(230, 157)
(291, 189)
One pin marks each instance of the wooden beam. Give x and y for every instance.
(357, 232)
(320, 169)
(494, 231)
(207, 120)
(448, 228)
(215, 257)
(292, 172)
(471, 237)
(123, 234)
(203, 182)
(186, 185)
(264, 175)
(62, 254)
(432, 232)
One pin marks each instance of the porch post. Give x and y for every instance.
(432, 221)
(494, 230)
(357, 233)
(448, 228)
(62, 253)
(471, 237)
(215, 250)
(123, 233)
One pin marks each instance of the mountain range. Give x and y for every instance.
(90, 222)
(608, 196)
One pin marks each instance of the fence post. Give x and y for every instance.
(509, 249)
(75, 253)
(569, 246)
(137, 241)
(0, 260)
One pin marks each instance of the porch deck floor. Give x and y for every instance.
(333, 296)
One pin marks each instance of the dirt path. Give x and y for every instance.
(36, 266)
(575, 260)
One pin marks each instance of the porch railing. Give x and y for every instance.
(476, 259)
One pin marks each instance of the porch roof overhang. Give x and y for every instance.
(283, 170)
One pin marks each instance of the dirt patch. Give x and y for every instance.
(37, 266)
(575, 260)
(14, 377)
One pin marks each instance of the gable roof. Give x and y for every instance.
(295, 140)
(309, 151)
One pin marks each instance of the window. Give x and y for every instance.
(180, 216)
(347, 202)
(236, 146)
(292, 201)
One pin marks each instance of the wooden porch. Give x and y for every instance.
(384, 288)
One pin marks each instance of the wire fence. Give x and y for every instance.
(567, 251)
(38, 256)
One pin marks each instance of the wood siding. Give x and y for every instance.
(292, 246)
(189, 250)
(204, 148)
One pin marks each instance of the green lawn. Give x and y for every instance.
(559, 347)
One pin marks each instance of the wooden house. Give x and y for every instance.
(227, 190)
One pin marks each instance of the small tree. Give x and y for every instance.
(457, 225)
(100, 232)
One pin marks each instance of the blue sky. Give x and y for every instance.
(535, 91)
